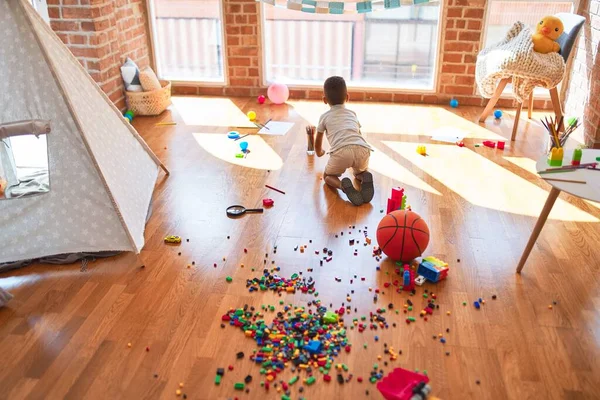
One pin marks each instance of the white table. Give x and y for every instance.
(588, 191)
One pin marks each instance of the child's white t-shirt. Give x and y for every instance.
(341, 128)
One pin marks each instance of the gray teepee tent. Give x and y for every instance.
(102, 173)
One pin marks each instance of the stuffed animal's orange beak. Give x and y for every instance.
(545, 30)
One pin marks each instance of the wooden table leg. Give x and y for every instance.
(538, 227)
(530, 111)
(516, 123)
(492, 102)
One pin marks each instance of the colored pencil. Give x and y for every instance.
(241, 137)
(564, 180)
(165, 123)
(275, 189)
(555, 171)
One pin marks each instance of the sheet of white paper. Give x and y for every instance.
(276, 128)
(448, 135)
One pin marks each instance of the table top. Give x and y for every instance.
(589, 190)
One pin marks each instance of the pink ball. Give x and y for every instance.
(261, 99)
(278, 93)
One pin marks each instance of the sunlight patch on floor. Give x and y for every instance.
(385, 165)
(484, 183)
(210, 111)
(261, 155)
(399, 119)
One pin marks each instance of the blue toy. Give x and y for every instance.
(498, 114)
(244, 146)
(453, 103)
(313, 347)
(233, 135)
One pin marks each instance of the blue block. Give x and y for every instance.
(477, 305)
(313, 347)
(429, 271)
(391, 3)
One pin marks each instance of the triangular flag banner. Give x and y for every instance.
(343, 7)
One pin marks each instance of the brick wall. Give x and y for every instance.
(462, 27)
(583, 93)
(101, 34)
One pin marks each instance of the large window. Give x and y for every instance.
(188, 39)
(395, 48)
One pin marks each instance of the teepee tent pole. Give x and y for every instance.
(108, 101)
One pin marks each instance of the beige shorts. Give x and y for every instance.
(353, 156)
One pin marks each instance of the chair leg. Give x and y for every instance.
(557, 108)
(530, 111)
(492, 102)
(516, 124)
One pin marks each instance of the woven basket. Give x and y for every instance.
(150, 103)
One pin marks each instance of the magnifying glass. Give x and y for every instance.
(237, 210)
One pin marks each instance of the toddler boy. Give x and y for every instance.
(348, 149)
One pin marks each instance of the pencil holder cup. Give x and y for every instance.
(310, 142)
(555, 157)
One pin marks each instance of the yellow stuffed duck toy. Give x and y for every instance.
(546, 32)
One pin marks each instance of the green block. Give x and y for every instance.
(375, 366)
(330, 317)
(344, 367)
(373, 379)
(410, 308)
(266, 349)
(229, 279)
(239, 386)
(285, 397)
(218, 380)
(310, 380)
(425, 295)
(411, 319)
(293, 380)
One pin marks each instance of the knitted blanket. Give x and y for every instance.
(514, 58)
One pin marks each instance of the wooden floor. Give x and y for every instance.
(66, 332)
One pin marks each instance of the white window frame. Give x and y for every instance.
(376, 89)
(154, 46)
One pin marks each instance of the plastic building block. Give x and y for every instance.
(330, 317)
(268, 202)
(500, 145)
(490, 144)
(239, 386)
(433, 269)
(401, 384)
(420, 280)
(576, 159)
(422, 150)
(408, 279)
(313, 347)
(555, 157)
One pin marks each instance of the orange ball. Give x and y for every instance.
(403, 235)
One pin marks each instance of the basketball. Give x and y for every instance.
(402, 235)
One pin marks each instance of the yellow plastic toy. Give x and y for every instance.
(251, 115)
(421, 150)
(546, 32)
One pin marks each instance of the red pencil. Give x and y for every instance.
(275, 189)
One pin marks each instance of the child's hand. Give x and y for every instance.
(320, 153)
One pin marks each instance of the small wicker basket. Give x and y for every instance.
(150, 103)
